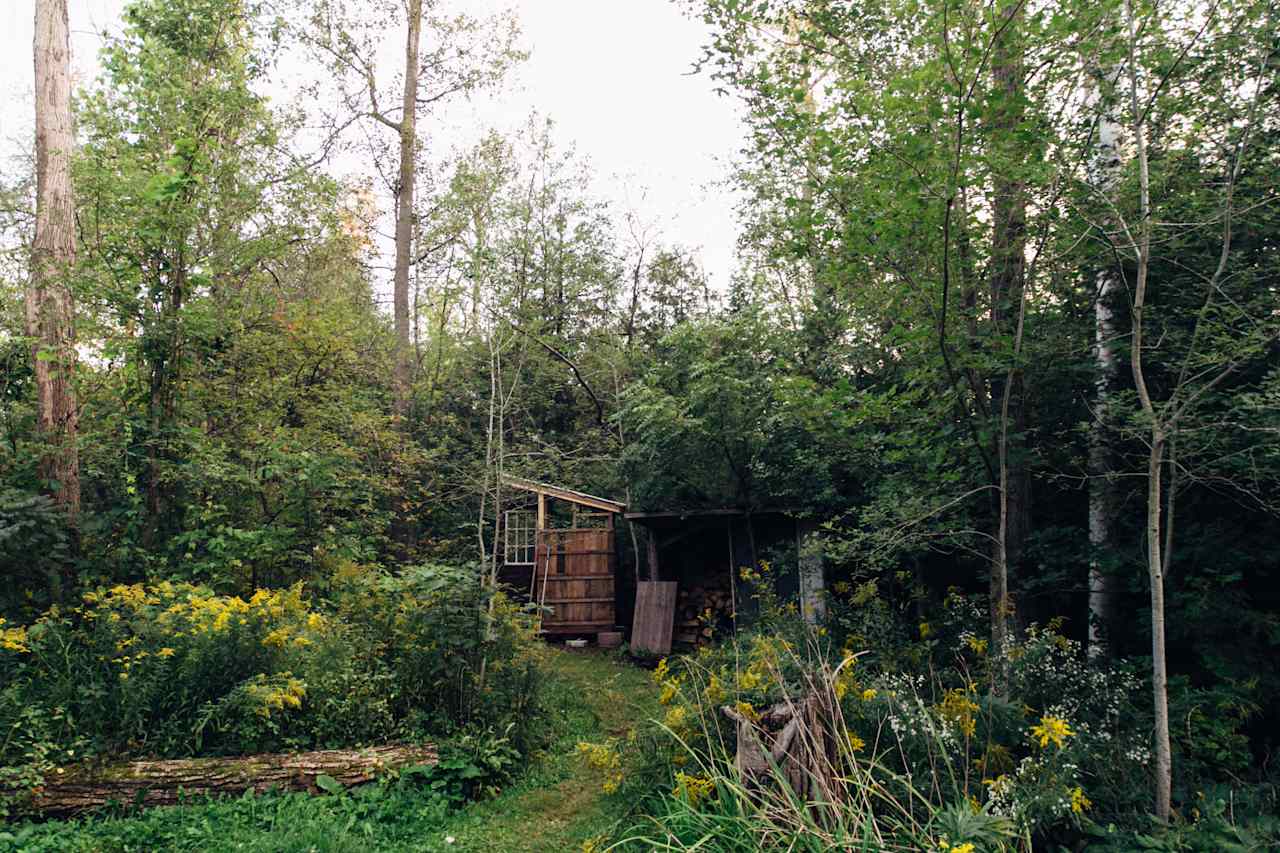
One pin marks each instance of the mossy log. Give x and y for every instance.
(159, 783)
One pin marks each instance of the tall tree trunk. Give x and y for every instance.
(1103, 489)
(404, 212)
(1156, 440)
(1008, 280)
(50, 305)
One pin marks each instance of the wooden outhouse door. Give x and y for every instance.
(574, 573)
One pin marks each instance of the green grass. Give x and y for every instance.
(555, 806)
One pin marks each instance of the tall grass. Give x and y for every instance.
(794, 777)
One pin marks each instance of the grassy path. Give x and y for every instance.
(560, 803)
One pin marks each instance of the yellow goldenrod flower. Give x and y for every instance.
(1053, 729)
(14, 639)
(1079, 802)
(660, 672)
(692, 789)
(947, 847)
(676, 719)
(276, 638)
(959, 709)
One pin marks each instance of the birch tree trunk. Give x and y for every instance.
(1103, 492)
(404, 211)
(50, 305)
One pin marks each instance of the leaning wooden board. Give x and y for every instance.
(655, 617)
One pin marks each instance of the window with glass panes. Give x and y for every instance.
(521, 536)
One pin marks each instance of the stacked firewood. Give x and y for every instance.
(700, 609)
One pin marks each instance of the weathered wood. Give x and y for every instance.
(654, 617)
(652, 554)
(813, 600)
(160, 783)
(575, 579)
(561, 493)
(791, 737)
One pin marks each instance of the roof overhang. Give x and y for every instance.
(669, 519)
(561, 493)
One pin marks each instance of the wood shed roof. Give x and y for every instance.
(561, 493)
(666, 520)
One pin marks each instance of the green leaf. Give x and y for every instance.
(328, 784)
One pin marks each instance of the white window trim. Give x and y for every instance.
(526, 539)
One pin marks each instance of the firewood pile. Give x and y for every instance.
(699, 609)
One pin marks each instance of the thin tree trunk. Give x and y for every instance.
(1159, 662)
(50, 305)
(1009, 225)
(488, 463)
(1155, 567)
(404, 212)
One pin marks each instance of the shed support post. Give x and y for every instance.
(542, 511)
(651, 538)
(810, 569)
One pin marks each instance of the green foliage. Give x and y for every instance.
(237, 432)
(1212, 828)
(175, 670)
(390, 816)
(920, 749)
(721, 419)
(33, 540)
(459, 655)
(586, 694)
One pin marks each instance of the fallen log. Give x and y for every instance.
(160, 783)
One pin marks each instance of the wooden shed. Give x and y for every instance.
(569, 570)
(689, 589)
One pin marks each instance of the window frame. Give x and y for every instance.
(524, 543)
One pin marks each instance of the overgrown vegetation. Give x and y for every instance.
(905, 746)
(1002, 340)
(552, 806)
(173, 670)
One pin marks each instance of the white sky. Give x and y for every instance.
(613, 74)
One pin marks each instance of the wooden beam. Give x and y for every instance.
(707, 513)
(573, 497)
(542, 511)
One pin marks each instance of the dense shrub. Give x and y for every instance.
(173, 670)
(457, 655)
